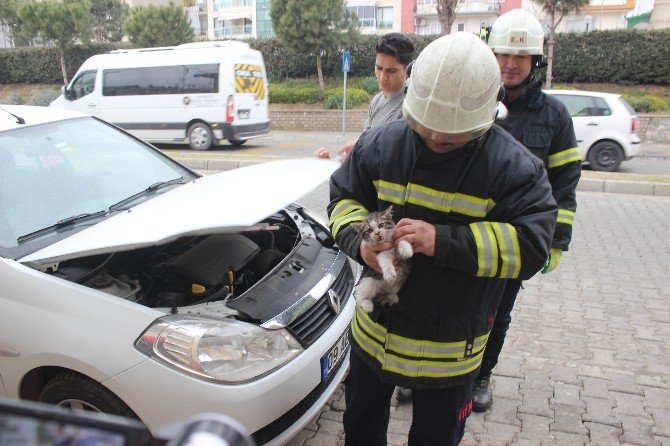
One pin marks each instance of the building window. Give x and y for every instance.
(365, 14)
(461, 26)
(426, 2)
(224, 4)
(385, 17)
(429, 29)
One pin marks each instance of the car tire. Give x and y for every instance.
(200, 136)
(605, 156)
(71, 390)
(237, 142)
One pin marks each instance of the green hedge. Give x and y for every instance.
(355, 97)
(618, 57)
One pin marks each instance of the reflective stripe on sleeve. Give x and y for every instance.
(565, 216)
(344, 212)
(497, 245)
(563, 157)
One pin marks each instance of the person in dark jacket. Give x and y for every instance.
(476, 207)
(542, 124)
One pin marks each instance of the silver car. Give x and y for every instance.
(134, 286)
(605, 126)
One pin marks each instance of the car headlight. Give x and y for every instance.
(222, 350)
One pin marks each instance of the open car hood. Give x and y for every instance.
(223, 202)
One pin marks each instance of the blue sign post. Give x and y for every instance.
(346, 66)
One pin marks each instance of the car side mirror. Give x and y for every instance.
(69, 94)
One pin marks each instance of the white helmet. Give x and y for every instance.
(454, 89)
(517, 32)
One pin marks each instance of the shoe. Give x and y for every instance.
(482, 397)
(404, 395)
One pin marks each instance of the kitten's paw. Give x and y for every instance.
(393, 299)
(389, 275)
(366, 305)
(405, 250)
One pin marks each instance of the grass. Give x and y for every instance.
(26, 91)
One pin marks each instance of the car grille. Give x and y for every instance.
(316, 320)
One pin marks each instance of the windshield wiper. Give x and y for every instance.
(69, 221)
(152, 188)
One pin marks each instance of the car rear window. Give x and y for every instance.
(629, 107)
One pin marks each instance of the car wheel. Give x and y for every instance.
(605, 156)
(200, 136)
(236, 142)
(73, 391)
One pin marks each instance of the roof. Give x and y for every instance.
(582, 93)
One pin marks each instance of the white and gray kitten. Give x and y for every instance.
(377, 228)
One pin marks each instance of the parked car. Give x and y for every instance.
(133, 286)
(605, 125)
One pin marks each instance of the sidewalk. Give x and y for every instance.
(587, 357)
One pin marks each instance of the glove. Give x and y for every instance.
(553, 260)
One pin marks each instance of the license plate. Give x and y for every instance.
(243, 114)
(335, 355)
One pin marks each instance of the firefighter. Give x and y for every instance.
(476, 207)
(542, 124)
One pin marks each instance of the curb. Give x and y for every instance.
(208, 166)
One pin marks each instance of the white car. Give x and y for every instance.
(605, 126)
(134, 286)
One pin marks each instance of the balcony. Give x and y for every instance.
(467, 7)
(233, 32)
(227, 4)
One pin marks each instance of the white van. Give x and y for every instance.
(197, 93)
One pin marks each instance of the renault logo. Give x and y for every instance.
(334, 301)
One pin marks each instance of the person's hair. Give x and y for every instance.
(397, 45)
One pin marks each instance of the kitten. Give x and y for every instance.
(377, 228)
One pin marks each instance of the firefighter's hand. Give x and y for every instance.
(369, 253)
(418, 233)
(554, 259)
(345, 149)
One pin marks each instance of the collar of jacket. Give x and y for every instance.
(531, 97)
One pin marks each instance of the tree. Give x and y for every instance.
(446, 13)
(555, 10)
(108, 16)
(9, 18)
(60, 22)
(150, 26)
(312, 26)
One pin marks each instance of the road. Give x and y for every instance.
(282, 144)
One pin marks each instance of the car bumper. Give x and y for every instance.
(227, 131)
(274, 408)
(634, 147)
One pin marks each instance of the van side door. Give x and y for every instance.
(83, 94)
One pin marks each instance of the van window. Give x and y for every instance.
(178, 79)
(84, 84)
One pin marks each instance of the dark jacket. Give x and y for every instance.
(494, 215)
(543, 124)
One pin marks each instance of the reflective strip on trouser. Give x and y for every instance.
(565, 216)
(433, 199)
(344, 212)
(498, 253)
(563, 157)
(416, 358)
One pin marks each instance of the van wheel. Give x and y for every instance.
(200, 136)
(605, 156)
(236, 142)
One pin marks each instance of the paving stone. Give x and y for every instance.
(567, 439)
(497, 434)
(535, 428)
(503, 411)
(661, 421)
(567, 419)
(566, 375)
(601, 411)
(300, 438)
(505, 387)
(536, 402)
(655, 397)
(624, 383)
(636, 430)
(332, 415)
(567, 394)
(603, 434)
(662, 441)
(652, 381)
(595, 387)
(320, 439)
(396, 439)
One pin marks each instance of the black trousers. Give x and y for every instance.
(496, 339)
(438, 415)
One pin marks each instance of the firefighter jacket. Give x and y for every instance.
(494, 215)
(543, 124)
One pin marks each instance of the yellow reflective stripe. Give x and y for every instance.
(376, 330)
(370, 347)
(391, 192)
(487, 249)
(509, 249)
(431, 349)
(564, 157)
(433, 199)
(345, 212)
(566, 216)
(431, 369)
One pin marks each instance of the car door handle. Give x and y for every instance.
(592, 123)
(93, 104)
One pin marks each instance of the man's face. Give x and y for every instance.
(442, 146)
(514, 68)
(390, 74)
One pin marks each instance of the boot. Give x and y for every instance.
(404, 395)
(482, 397)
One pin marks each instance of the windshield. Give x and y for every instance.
(52, 172)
